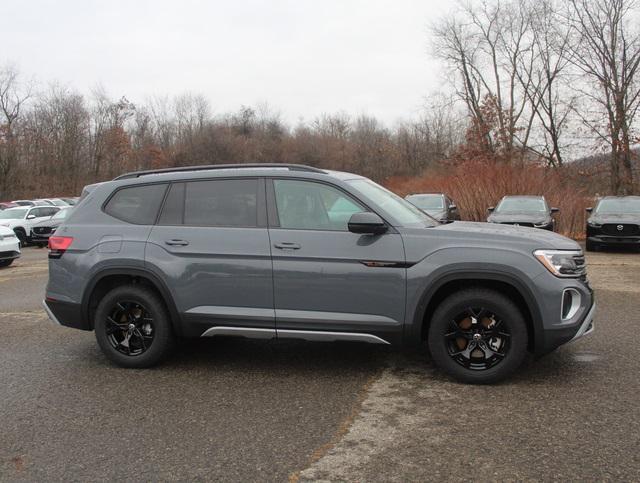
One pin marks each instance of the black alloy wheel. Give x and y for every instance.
(129, 328)
(478, 339)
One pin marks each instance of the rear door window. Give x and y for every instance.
(221, 203)
(137, 204)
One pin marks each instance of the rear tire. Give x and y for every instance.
(478, 336)
(22, 236)
(132, 327)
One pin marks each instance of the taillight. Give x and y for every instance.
(58, 245)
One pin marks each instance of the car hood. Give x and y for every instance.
(10, 221)
(437, 214)
(51, 223)
(463, 234)
(519, 218)
(621, 218)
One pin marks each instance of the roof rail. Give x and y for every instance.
(206, 167)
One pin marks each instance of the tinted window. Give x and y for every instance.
(137, 204)
(220, 203)
(305, 205)
(173, 210)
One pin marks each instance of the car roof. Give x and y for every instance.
(224, 171)
(632, 197)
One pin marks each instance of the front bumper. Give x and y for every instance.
(554, 338)
(615, 240)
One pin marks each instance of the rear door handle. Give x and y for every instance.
(177, 243)
(287, 246)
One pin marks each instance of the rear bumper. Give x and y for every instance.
(65, 313)
(554, 338)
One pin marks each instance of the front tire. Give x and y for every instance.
(22, 236)
(5, 263)
(478, 336)
(132, 327)
(590, 246)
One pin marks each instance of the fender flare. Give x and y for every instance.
(414, 334)
(158, 284)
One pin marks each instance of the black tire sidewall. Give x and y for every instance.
(5, 263)
(499, 304)
(163, 335)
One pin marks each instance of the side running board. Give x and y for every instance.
(311, 335)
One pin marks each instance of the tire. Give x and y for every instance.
(591, 247)
(492, 325)
(150, 341)
(22, 236)
(6, 263)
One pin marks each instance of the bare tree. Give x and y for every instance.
(543, 75)
(13, 95)
(485, 45)
(606, 49)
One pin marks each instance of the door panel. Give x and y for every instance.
(218, 275)
(322, 280)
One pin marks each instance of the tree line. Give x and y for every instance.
(527, 82)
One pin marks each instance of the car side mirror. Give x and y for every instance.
(555, 210)
(367, 223)
(589, 210)
(491, 208)
(30, 217)
(452, 206)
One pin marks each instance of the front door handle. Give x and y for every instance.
(177, 243)
(287, 246)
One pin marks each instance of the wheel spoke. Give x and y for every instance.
(125, 328)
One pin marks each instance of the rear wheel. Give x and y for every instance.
(132, 327)
(22, 236)
(478, 336)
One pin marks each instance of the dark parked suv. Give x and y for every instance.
(615, 221)
(532, 211)
(288, 251)
(436, 205)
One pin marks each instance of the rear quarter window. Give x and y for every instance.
(136, 204)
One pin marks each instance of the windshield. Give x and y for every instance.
(521, 205)
(618, 206)
(12, 214)
(427, 202)
(61, 215)
(403, 211)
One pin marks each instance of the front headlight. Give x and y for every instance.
(541, 225)
(593, 224)
(562, 263)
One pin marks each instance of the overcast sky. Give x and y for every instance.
(301, 57)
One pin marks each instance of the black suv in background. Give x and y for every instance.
(615, 221)
(436, 205)
(532, 211)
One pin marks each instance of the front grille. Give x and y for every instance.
(518, 224)
(42, 230)
(620, 229)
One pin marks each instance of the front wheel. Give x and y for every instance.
(6, 263)
(478, 336)
(132, 327)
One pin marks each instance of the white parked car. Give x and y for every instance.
(9, 246)
(21, 219)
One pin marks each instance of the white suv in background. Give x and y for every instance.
(9, 246)
(21, 219)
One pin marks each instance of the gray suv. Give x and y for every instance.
(289, 251)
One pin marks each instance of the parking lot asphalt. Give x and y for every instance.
(276, 411)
